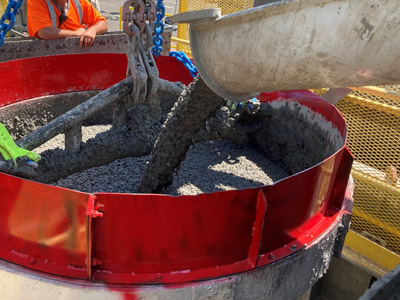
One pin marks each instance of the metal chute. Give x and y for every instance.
(296, 44)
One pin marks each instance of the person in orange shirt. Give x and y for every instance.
(56, 19)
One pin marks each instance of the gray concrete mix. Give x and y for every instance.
(277, 141)
(194, 107)
(209, 166)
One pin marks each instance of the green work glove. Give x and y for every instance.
(9, 150)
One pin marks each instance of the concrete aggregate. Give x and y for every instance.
(209, 166)
(279, 140)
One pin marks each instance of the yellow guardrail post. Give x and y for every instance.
(120, 18)
(180, 41)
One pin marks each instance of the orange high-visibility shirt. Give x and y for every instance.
(39, 16)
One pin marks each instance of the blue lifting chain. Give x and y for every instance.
(182, 57)
(158, 41)
(9, 15)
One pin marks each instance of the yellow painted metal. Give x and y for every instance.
(378, 222)
(120, 18)
(227, 7)
(368, 254)
(382, 185)
(180, 41)
(373, 119)
(388, 92)
(375, 105)
(3, 6)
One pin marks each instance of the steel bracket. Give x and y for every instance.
(91, 213)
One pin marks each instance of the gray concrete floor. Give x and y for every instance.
(342, 281)
(110, 10)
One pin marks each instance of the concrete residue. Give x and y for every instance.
(196, 105)
(22, 118)
(295, 137)
(368, 28)
(134, 140)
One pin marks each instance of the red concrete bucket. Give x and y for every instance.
(158, 239)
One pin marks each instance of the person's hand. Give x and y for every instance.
(80, 31)
(87, 38)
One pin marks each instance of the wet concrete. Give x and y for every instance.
(294, 137)
(209, 166)
(280, 134)
(22, 118)
(196, 105)
(134, 140)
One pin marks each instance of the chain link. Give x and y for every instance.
(158, 41)
(183, 58)
(9, 15)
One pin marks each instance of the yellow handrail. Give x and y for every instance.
(377, 91)
(181, 41)
(379, 184)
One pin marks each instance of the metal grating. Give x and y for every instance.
(373, 118)
(227, 7)
(392, 89)
(3, 6)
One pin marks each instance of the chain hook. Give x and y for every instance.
(137, 16)
(140, 10)
(128, 16)
(141, 64)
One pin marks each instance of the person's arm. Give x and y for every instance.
(38, 16)
(87, 38)
(51, 33)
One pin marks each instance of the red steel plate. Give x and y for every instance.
(43, 227)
